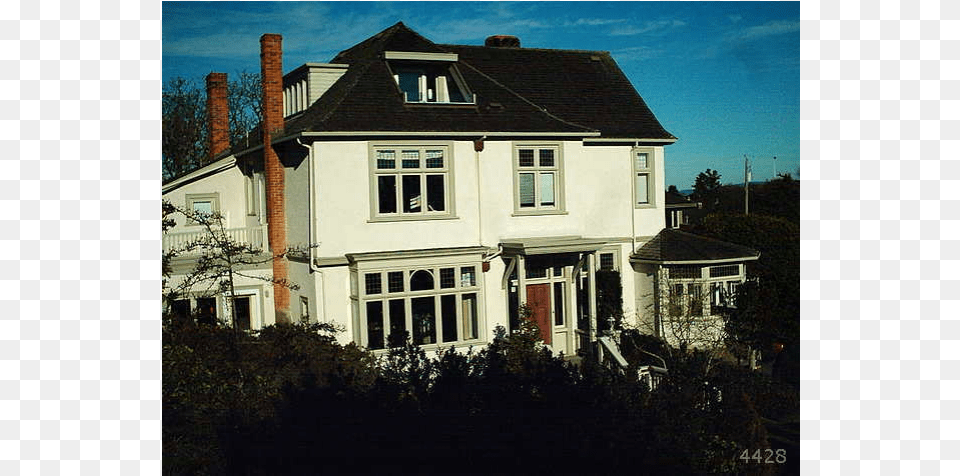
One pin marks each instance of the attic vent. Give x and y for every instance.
(502, 41)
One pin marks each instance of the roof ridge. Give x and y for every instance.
(525, 48)
(535, 105)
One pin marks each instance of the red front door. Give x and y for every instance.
(538, 298)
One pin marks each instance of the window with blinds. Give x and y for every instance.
(643, 177)
(538, 178)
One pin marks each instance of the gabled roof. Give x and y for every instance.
(674, 246)
(523, 90)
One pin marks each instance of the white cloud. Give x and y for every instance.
(656, 27)
(768, 29)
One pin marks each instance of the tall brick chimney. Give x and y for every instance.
(271, 73)
(218, 121)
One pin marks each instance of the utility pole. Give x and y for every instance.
(774, 167)
(746, 185)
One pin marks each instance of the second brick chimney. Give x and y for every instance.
(218, 121)
(271, 73)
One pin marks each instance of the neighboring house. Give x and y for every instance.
(695, 280)
(434, 189)
(681, 212)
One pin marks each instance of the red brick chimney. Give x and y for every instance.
(218, 122)
(271, 73)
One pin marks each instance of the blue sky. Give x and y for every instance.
(724, 77)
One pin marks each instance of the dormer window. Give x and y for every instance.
(428, 77)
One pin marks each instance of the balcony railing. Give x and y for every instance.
(255, 236)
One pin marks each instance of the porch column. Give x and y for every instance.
(592, 294)
(521, 279)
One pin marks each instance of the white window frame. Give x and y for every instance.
(559, 204)
(615, 251)
(423, 171)
(256, 305)
(649, 172)
(213, 198)
(304, 309)
(459, 289)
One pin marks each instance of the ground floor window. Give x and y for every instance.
(430, 305)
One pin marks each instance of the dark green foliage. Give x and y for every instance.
(609, 299)
(768, 309)
(291, 400)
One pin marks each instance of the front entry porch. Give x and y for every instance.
(555, 279)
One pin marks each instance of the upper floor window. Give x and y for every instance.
(538, 179)
(202, 204)
(411, 182)
(428, 77)
(643, 183)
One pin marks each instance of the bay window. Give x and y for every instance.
(427, 302)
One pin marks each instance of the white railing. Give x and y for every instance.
(255, 236)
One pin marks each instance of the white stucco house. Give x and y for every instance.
(434, 188)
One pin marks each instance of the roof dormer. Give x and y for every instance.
(428, 78)
(304, 85)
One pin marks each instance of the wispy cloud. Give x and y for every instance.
(636, 53)
(735, 18)
(650, 27)
(768, 29)
(595, 21)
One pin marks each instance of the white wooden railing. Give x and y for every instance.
(255, 236)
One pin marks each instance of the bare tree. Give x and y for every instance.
(219, 261)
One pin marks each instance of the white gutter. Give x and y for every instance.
(311, 229)
(627, 140)
(218, 166)
(446, 133)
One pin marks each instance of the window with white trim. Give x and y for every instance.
(433, 304)
(643, 183)
(429, 82)
(411, 181)
(202, 204)
(538, 178)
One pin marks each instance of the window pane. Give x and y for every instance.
(470, 321)
(535, 271)
(696, 300)
(606, 261)
(386, 159)
(387, 193)
(375, 325)
(468, 276)
(546, 158)
(206, 311)
(526, 157)
(424, 320)
(434, 159)
(642, 196)
(435, 193)
(411, 193)
(242, 305)
(421, 281)
(372, 283)
(641, 160)
(395, 281)
(546, 190)
(558, 303)
(410, 84)
(203, 206)
(448, 311)
(527, 192)
(447, 278)
(410, 159)
(398, 323)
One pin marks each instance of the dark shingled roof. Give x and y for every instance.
(676, 198)
(670, 246)
(518, 90)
